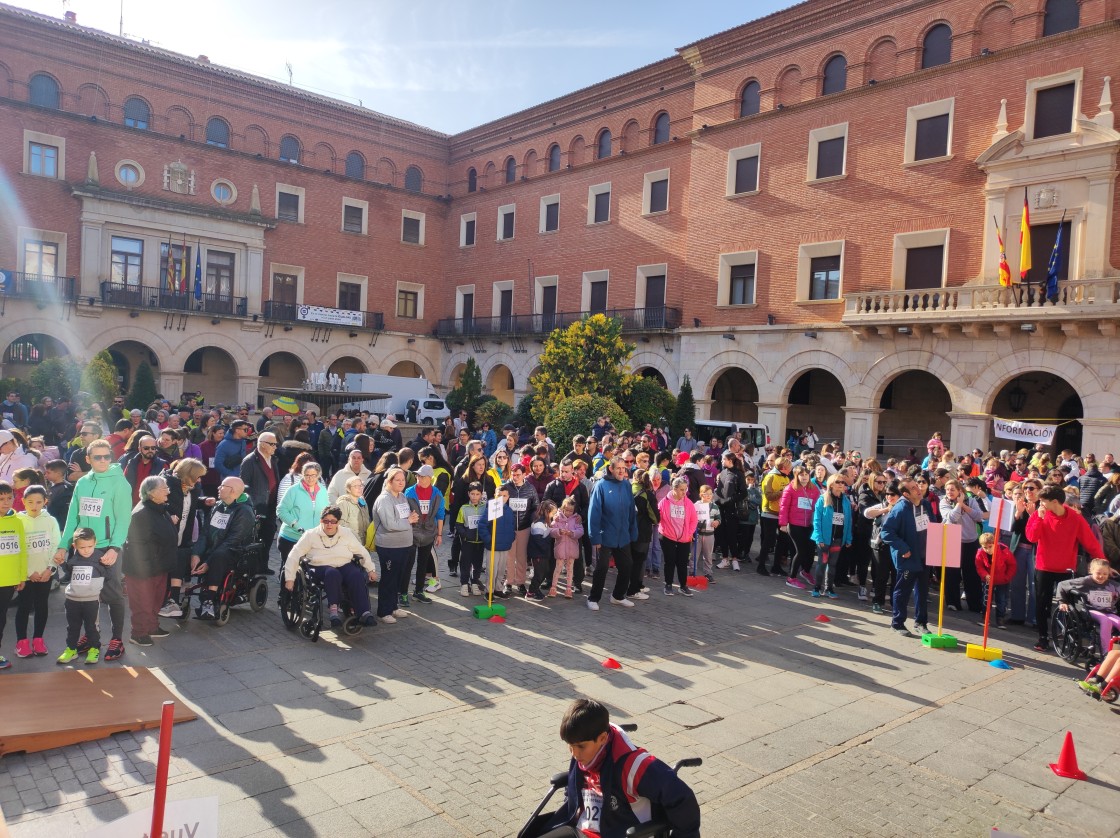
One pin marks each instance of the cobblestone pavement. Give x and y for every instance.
(442, 725)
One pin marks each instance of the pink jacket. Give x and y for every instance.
(677, 525)
(793, 510)
(564, 547)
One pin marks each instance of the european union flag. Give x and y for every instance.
(198, 273)
(1053, 267)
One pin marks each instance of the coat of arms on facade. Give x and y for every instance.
(1046, 197)
(178, 178)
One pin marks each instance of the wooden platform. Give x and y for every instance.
(45, 710)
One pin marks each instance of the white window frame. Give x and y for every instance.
(463, 220)
(592, 191)
(292, 270)
(232, 190)
(34, 234)
(546, 202)
(298, 191)
(916, 113)
(139, 169)
(1076, 76)
(459, 292)
(363, 206)
(805, 255)
(418, 287)
(733, 157)
(496, 296)
(727, 261)
(503, 211)
(539, 284)
(588, 278)
(817, 136)
(30, 137)
(642, 273)
(905, 241)
(647, 190)
(353, 279)
(422, 218)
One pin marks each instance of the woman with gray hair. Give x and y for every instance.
(677, 526)
(147, 556)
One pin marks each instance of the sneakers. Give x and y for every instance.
(1092, 687)
(139, 640)
(400, 613)
(114, 652)
(1042, 646)
(23, 648)
(761, 570)
(711, 579)
(592, 605)
(476, 589)
(806, 578)
(639, 596)
(367, 619)
(5, 663)
(724, 565)
(94, 655)
(831, 594)
(624, 602)
(336, 619)
(1000, 624)
(403, 602)
(453, 570)
(735, 565)
(795, 583)
(668, 590)
(205, 611)
(686, 591)
(389, 618)
(83, 645)
(465, 590)
(420, 596)
(159, 633)
(534, 594)
(67, 656)
(171, 608)
(521, 589)
(39, 647)
(876, 608)
(952, 607)
(815, 594)
(922, 629)
(432, 585)
(903, 632)
(502, 594)
(862, 595)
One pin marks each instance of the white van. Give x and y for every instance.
(757, 435)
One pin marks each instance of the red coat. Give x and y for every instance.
(1005, 564)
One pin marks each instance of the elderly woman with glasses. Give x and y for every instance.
(148, 554)
(330, 550)
(300, 508)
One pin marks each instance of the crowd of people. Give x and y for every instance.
(129, 506)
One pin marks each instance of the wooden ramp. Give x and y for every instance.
(44, 710)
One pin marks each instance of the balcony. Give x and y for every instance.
(39, 288)
(161, 299)
(653, 319)
(317, 316)
(971, 306)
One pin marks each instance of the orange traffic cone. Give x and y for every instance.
(1066, 766)
(821, 618)
(611, 663)
(497, 618)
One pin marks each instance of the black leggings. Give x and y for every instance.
(33, 597)
(7, 594)
(804, 550)
(674, 557)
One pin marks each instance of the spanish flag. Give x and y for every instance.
(1004, 268)
(1025, 240)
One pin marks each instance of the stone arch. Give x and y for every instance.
(657, 362)
(387, 171)
(218, 376)
(324, 156)
(93, 101)
(882, 60)
(734, 397)
(389, 361)
(282, 368)
(791, 370)
(576, 150)
(788, 87)
(717, 364)
(180, 122)
(256, 140)
(406, 369)
(346, 364)
(1082, 378)
(914, 404)
(204, 340)
(529, 163)
(993, 27)
(500, 383)
(455, 377)
(127, 356)
(13, 331)
(630, 138)
(355, 360)
(652, 372)
(153, 341)
(488, 173)
(40, 344)
(869, 390)
(816, 396)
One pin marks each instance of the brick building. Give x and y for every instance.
(797, 213)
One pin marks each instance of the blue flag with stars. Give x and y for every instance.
(1053, 268)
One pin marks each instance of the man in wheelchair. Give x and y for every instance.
(614, 785)
(1101, 592)
(232, 528)
(329, 550)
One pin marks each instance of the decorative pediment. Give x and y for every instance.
(1088, 136)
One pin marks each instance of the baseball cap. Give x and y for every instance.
(425, 471)
(239, 423)
(6, 437)
(388, 423)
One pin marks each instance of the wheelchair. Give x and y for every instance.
(1074, 635)
(302, 608)
(653, 829)
(241, 584)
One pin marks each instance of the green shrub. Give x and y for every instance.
(99, 379)
(143, 391)
(494, 411)
(648, 401)
(684, 415)
(577, 415)
(54, 377)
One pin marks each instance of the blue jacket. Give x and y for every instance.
(228, 456)
(506, 528)
(611, 519)
(822, 520)
(900, 533)
(489, 442)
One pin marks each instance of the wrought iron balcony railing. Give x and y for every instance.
(652, 319)
(127, 295)
(41, 288)
(318, 316)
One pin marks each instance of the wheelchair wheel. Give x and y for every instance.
(1065, 636)
(351, 626)
(1110, 696)
(258, 595)
(291, 602)
(221, 613)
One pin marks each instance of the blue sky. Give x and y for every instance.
(445, 64)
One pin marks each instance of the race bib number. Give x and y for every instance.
(1100, 599)
(703, 513)
(921, 523)
(91, 507)
(211, 463)
(837, 519)
(40, 543)
(219, 520)
(592, 811)
(472, 521)
(81, 577)
(425, 505)
(403, 511)
(804, 503)
(676, 512)
(9, 543)
(518, 504)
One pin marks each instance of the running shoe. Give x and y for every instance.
(141, 640)
(723, 565)
(1088, 686)
(686, 591)
(806, 578)
(67, 656)
(420, 596)
(23, 648)
(114, 652)
(94, 655)
(862, 595)
(831, 594)
(735, 565)
(171, 608)
(39, 648)
(465, 590)
(668, 590)
(815, 594)
(876, 608)
(795, 583)
(432, 585)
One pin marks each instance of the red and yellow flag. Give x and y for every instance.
(1004, 268)
(1025, 241)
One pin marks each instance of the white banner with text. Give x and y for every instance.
(1009, 429)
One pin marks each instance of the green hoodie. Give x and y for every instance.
(102, 502)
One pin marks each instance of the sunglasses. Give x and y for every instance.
(148, 448)
(329, 521)
(101, 456)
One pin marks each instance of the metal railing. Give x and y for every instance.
(289, 313)
(161, 299)
(39, 287)
(652, 319)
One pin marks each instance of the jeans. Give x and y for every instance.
(1000, 595)
(470, 561)
(910, 581)
(1022, 584)
(622, 563)
(393, 560)
(776, 540)
(884, 574)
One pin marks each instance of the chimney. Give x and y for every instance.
(205, 59)
(71, 17)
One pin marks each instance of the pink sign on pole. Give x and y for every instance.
(943, 540)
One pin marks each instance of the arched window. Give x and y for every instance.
(835, 75)
(217, 132)
(511, 170)
(937, 48)
(289, 149)
(43, 91)
(413, 179)
(472, 180)
(603, 145)
(554, 158)
(661, 129)
(1061, 16)
(355, 165)
(137, 114)
(750, 102)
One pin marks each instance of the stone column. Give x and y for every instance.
(254, 280)
(89, 269)
(1098, 229)
(703, 409)
(171, 385)
(861, 429)
(1100, 438)
(247, 389)
(774, 416)
(968, 431)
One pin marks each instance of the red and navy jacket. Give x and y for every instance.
(636, 788)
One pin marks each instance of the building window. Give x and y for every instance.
(750, 100)
(511, 170)
(467, 229)
(835, 75)
(827, 152)
(736, 282)
(742, 169)
(173, 271)
(819, 271)
(23, 351)
(599, 203)
(464, 304)
(506, 215)
(126, 261)
(219, 275)
(594, 297)
(472, 180)
(289, 149)
(350, 296)
(287, 207)
(129, 173)
(655, 192)
(285, 289)
(554, 158)
(661, 129)
(550, 214)
(1061, 16)
(408, 304)
(223, 191)
(412, 227)
(741, 285)
(929, 131)
(603, 145)
(413, 179)
(919, 260)
(937, 48)
(40, 258)
(43, 91)
(353, 218)
(649, 294)
(355, 166)
(42, 160)
(137, 114)
(1053, 110)
(217, 132)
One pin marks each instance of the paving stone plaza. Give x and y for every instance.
(442, 725)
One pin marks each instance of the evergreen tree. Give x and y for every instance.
(685, 414)
(143, 391)
(99, 379)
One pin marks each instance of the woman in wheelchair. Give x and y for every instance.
(1101, 592)
(329, 550)
(232, 528)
